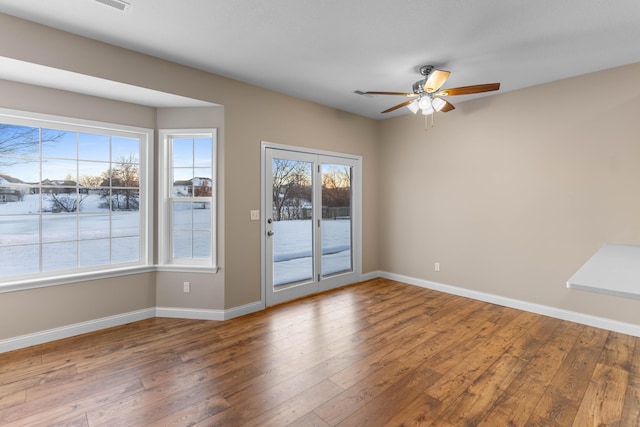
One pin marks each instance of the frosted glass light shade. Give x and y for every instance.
(438, 103)
(424, 103)
(414, 107)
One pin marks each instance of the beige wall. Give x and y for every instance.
(513, 193)
(35, 310)
(273, 117)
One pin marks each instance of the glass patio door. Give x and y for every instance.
(308, 223)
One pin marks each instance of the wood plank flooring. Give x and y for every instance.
(378, 353)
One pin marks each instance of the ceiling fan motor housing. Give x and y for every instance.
(425, 70)
(418, 87)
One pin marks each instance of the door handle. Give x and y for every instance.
(270, 233)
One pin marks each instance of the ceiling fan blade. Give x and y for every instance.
(395, 107)
(468, 90)
(435, 80)
(392, 93)
(446, 105)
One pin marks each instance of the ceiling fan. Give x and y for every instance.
(426, 95)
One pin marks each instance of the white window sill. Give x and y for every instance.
(43, 282)
(188, 268)
(25, 284)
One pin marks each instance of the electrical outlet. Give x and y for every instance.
(436, 266)
(255, 215)
(186, 287)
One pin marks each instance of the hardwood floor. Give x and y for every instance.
(372, 354)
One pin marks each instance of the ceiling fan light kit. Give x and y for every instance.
(427, 94)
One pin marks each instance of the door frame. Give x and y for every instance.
(356, 213)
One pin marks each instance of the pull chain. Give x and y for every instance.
(426, 121)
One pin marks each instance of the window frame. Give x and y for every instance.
(145, 261)
(166, 261)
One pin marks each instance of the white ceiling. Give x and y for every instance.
(324, 50)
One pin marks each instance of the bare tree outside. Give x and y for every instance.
(23, 140)
(336, 186)
(124, 180)
(291, 188)
(65, 202)
(90, 181)
(18, 140)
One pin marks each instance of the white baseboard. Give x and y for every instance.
(189, 313)
(371, 275)
(558, 313)
(41, 337)
(206, 314)
(75, 329)
(244, 309)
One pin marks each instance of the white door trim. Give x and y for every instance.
(356, 212)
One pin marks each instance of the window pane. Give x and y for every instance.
(94, 226)
(59, 172)
(201, 216)
(19, 172)
(59, 200)
(202, 187)
(93, 174)
(94, 252)
(182, 215)
(202, 153)
(93, 147)
(125, 148)
(182, 182)
(19, 229)
(19, 140)
(59, 256)
(94, 200)
(17, 203)
(125, 250)
(201, 244)
(125, 175)
(23, 259)
(202, 173)
(293, 227)
(125, 224)
(336, 219)
(182, 243)
(59, 228)
(192, 229)
(125, 200)
(182, 152)
(59, 144)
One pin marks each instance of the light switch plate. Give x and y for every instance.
(255, 215)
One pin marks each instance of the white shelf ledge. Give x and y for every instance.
(613, 270)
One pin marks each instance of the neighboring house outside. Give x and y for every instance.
(68, 186)
(12, 189)
(194, 187)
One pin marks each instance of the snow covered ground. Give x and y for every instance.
(69, 240)
(292, 248)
